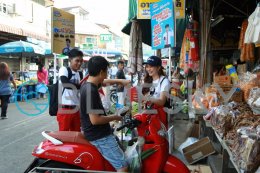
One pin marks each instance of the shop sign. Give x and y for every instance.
(143, 8)
(162, 23)
(86, 46)
(179, 9)
(105, 38)
(63, 31)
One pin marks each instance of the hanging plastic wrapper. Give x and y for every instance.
(133, 155)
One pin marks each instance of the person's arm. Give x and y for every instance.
(63, 73)
(165, 87)
(116, 81)
(158, 101)
(100, 119)
(65, 80)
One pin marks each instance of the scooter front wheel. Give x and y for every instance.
(53, 164)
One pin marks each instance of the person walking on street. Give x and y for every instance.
(113, 71)
(120, 88)
(95, 121)
(68, 116)
(5, 88)
(42, 76)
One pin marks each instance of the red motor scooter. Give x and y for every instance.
(70, 150)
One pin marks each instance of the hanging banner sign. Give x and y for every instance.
(179, 9)
(162, 23)
(62, 31)
(143, 8)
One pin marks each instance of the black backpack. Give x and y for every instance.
(53, 92)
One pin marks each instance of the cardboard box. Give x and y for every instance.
(222, 80)
(199, 169)
(198, 150)
(195, 130)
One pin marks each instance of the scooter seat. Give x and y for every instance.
(69, 136)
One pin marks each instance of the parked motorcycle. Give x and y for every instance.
(70, 150)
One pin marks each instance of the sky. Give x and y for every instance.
(113, 13)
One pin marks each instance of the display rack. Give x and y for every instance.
(227, 154)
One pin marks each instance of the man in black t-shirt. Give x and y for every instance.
(120, 88)
(94, 121)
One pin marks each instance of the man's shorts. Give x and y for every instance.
(111, 151)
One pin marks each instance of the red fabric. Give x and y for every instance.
(100, 90)
(42, 76)
(194, 51)
(162, 115)
(133, 94)
(69, 122)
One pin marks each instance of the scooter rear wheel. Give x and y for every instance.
(54, 164)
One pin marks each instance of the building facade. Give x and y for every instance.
(20, 20)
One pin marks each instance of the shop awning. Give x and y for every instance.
(23, 32)
(10, 29)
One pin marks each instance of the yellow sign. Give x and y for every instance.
(143, 8)
(62, 31)
(179, 9)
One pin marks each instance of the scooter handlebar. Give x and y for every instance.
(131, 124)
(121, 127)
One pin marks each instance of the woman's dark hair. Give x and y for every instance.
(40, 66)
(4, 71)
(190, 73)
(148, 80)
(75, 53)
(96, 64)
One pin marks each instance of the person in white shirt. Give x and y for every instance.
(68, 116)
(168, 36)
(157, 94)
(113, 71)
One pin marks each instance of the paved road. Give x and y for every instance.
(19, 134)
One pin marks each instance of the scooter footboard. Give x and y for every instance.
(173, 164)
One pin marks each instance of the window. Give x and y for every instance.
(3, 8)
(91, 40)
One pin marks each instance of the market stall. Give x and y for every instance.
(233, 112)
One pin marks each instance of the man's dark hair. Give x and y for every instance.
(120, 62)
(96, 64)
(68, 40)
(75, 53)
(40, 66)
(167, 25)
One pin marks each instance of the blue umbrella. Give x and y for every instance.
(16, 47)
(46, 47)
